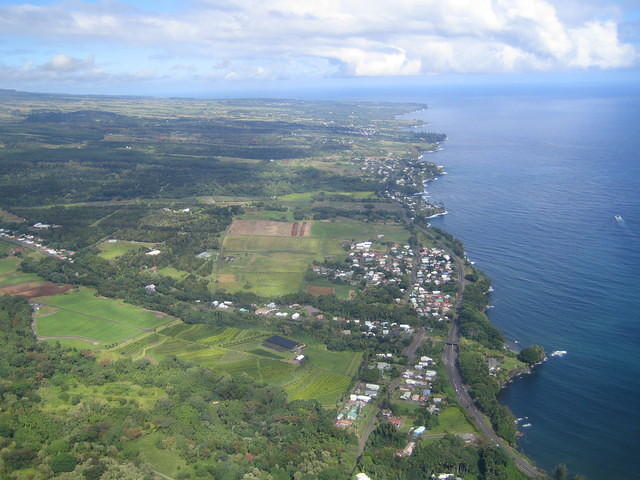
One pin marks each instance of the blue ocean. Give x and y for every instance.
(534, 183)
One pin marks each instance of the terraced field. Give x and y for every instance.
(234, 351)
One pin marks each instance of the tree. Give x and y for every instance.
(532, 355)
(63, 463)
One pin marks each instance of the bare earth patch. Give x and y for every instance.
(226, 278)
(316, 290)
(270, 228)
(35, 289)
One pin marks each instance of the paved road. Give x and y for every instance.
(450, 360)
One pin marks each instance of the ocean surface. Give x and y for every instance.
(533, 185)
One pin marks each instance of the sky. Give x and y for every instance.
(166, 47)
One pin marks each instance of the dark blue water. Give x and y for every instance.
(533, 187)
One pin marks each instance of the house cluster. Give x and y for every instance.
(371, 264)
(361, 395)
(279, 311)
(416, 384)
(36, 243)
(434, 269)
(405, 181)
(375, 328)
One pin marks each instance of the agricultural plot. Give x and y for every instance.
(84, 302)
(325, 387)
(360, 231)
(80, 315)
(269, 228)
(139, 346)
(234, 351)
(343, 363)
(29, 285)
(308, 196)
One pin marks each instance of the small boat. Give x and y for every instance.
(619, 218)
(526, 425)
(558, 353)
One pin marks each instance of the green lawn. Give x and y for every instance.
(172, 272)
(452, 420)
(110, 250)
(5, 247)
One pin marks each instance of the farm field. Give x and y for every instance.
(308, 196)
(30, 285)
(360, 231)
(326, 376)
(80, 315)
(110, 250)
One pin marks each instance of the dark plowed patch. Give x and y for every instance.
(316, 290)
(35, 289)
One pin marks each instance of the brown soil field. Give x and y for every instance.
(226, 278)
(270, 228)
(35, 289)
(316, 290)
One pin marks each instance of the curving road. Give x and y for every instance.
(450, 360)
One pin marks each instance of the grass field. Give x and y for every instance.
(10, 275)
(110, 250)
(79, 313)
(308, 196)
(5, 247)
(172, 272)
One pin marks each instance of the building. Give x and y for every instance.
(282, 344)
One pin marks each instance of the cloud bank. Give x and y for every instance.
(253, 39)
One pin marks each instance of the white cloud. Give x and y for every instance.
(279, 38)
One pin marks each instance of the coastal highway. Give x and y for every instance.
(450, 360)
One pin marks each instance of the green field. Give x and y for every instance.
(452, 420)
(10, 275)
(360, 231)
(5, 247)
(308, 196)
(172, 272)
(110, 250)
(79, 313)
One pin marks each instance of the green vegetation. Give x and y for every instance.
(63, 411)
(532, 355)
